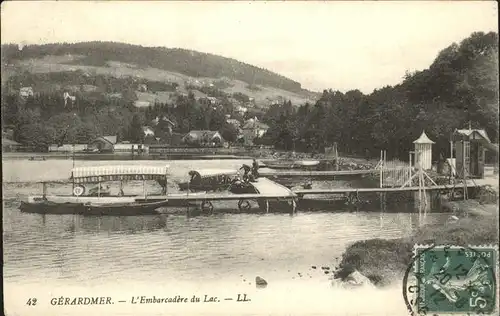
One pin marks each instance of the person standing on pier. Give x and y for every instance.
(255, 169)
(246, 170)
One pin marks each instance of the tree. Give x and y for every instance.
(135, 132)
(229, 132)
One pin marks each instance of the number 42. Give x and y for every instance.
(31, 302)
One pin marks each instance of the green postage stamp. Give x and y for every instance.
(452, 280)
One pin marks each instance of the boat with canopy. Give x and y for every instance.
(291, 164)
(99, 200)
(206, 180)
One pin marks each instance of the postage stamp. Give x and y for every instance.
(451, 280)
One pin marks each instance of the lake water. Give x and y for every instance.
(47, 256)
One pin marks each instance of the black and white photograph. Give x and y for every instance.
(250, 158)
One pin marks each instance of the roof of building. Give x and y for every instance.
(469, 132)
(203, 135)
(423, 139)
(233, 121)
(9, 142)
(157, 120)
(492, 147)
(254, 123)
(109, 139)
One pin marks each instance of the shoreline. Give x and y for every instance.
(383, 262)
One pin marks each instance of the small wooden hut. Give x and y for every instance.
(470, 146)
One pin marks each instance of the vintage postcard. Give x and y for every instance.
(250, 157)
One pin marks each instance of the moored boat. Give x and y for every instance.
(291, 164)
(98, 200)
(207, 180)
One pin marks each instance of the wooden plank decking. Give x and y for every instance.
(270, 188)
(304, 173)
(266, 189)
(379, 190)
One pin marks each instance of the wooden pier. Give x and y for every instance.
(304, 173)
(266, 191)
(301, 192)
(270, 173)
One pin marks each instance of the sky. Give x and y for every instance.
(323, 45)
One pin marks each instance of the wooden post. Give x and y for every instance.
(409, 169)
(73, 183)
(464, 169)
(44, 190)
(336, 157)
(381, 167)
(187, 199)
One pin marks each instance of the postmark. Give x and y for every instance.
(452, 280)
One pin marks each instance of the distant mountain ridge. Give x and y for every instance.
(183, 61)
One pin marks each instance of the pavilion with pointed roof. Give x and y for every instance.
(423, 149)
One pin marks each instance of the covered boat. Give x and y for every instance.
(209, 180)
(99, 200)
(291, 164)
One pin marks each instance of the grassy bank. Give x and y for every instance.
(385, 261)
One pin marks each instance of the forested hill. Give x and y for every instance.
(460, 86)
(187, 62)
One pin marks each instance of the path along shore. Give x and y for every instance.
(383, 262)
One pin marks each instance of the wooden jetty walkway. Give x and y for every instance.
(271, 189)
(266, 191)
(301, 192)
(269, 173)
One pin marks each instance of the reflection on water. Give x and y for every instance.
(71, 246)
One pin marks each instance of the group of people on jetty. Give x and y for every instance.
(250, 174)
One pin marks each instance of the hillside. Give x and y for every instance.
(460, 87)
(180, 67)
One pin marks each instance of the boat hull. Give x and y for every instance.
(203, 187)
(125, 207)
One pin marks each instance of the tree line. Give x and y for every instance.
(45, 118)
(460, 86)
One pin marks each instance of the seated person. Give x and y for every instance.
(195, 178)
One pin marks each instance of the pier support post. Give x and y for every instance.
(44, 190)
(294, 206)
(264, 205)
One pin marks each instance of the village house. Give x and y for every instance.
(26, 92)
(141, 104)
(69, 97)
(203, 138)
(103, 144)
(163, 124)
(234, 122)
(9, 145)
(253, 128)
(213, 100)
(148, 131)
(241, 109)
(142, 88)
